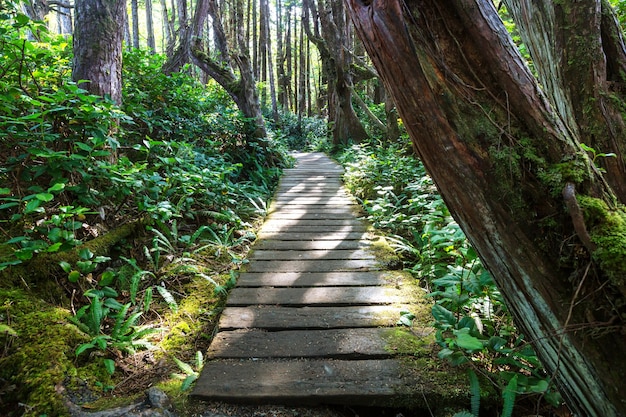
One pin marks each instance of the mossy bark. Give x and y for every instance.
(501, 158)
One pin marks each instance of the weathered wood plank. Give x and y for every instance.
(309, 202)
(363, 382)
(359, 343)
(297, 244)
(322, 296)
(275, 223)
(315, 209)
(334, 254)
(312, 229)
(280, 318)
(324, 200)
(320, 265)
(313, 279)
(313, 236)
(311, 216)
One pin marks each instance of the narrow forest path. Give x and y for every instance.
(313, 318)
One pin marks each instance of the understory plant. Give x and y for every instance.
(118, 215)
(473, 326)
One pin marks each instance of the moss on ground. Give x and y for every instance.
(41, 357)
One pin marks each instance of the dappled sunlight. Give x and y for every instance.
(311, 312)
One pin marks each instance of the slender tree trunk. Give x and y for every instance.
(150, 27)
(270, 62)
(255, 44)
(98, 36)
(302, 90)
(134, 7)
(127, 36)
(542, 218)
(64, 20)
(168, 30)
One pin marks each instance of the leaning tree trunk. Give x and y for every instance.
(242, 88)
(541, 216)
(98, 36)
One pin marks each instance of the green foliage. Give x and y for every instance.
(303, 133)
(177, 156)
(190, 374)
(473, 327)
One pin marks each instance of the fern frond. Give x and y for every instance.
(475, 391)
(508, 397)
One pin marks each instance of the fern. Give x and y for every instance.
(168, 297)
(508, 396)
(475, 391)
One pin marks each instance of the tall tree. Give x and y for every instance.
(150, 27)
(512, 170)
(98, 36)
(220, 66)
(329, 36)
(134, 10)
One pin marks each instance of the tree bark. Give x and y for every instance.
(150, 27)
(134, 10)
(98, 36)
(583, 72)
(329, 37)
(242, 88)
(514, 177)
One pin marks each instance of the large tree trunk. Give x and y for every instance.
(98, 36)
(542, 218)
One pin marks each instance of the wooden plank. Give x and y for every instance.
(297, 244)
(360, 343)
(274, 223)
(333, 200)
(362, 382)
(320, 265)
(311, 216)
(277, 318)
(321, 296)
(321, 209)
(334, 236)
(312, 228)
(334, 254)
(313, 279)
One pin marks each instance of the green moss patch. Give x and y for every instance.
(40, 358)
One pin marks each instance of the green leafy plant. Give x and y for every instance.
(473, 327)
(190, 375)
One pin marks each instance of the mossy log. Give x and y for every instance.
(45, 266)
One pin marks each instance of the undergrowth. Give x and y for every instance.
(121, 228)
(473, 326)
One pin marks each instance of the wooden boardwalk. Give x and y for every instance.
(313, 318)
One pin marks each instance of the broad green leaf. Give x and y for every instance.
(443, 315)
(56, 187)
(45, 197)
(466, 341)
(65, 266)
(85, 254)
(106, 278)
